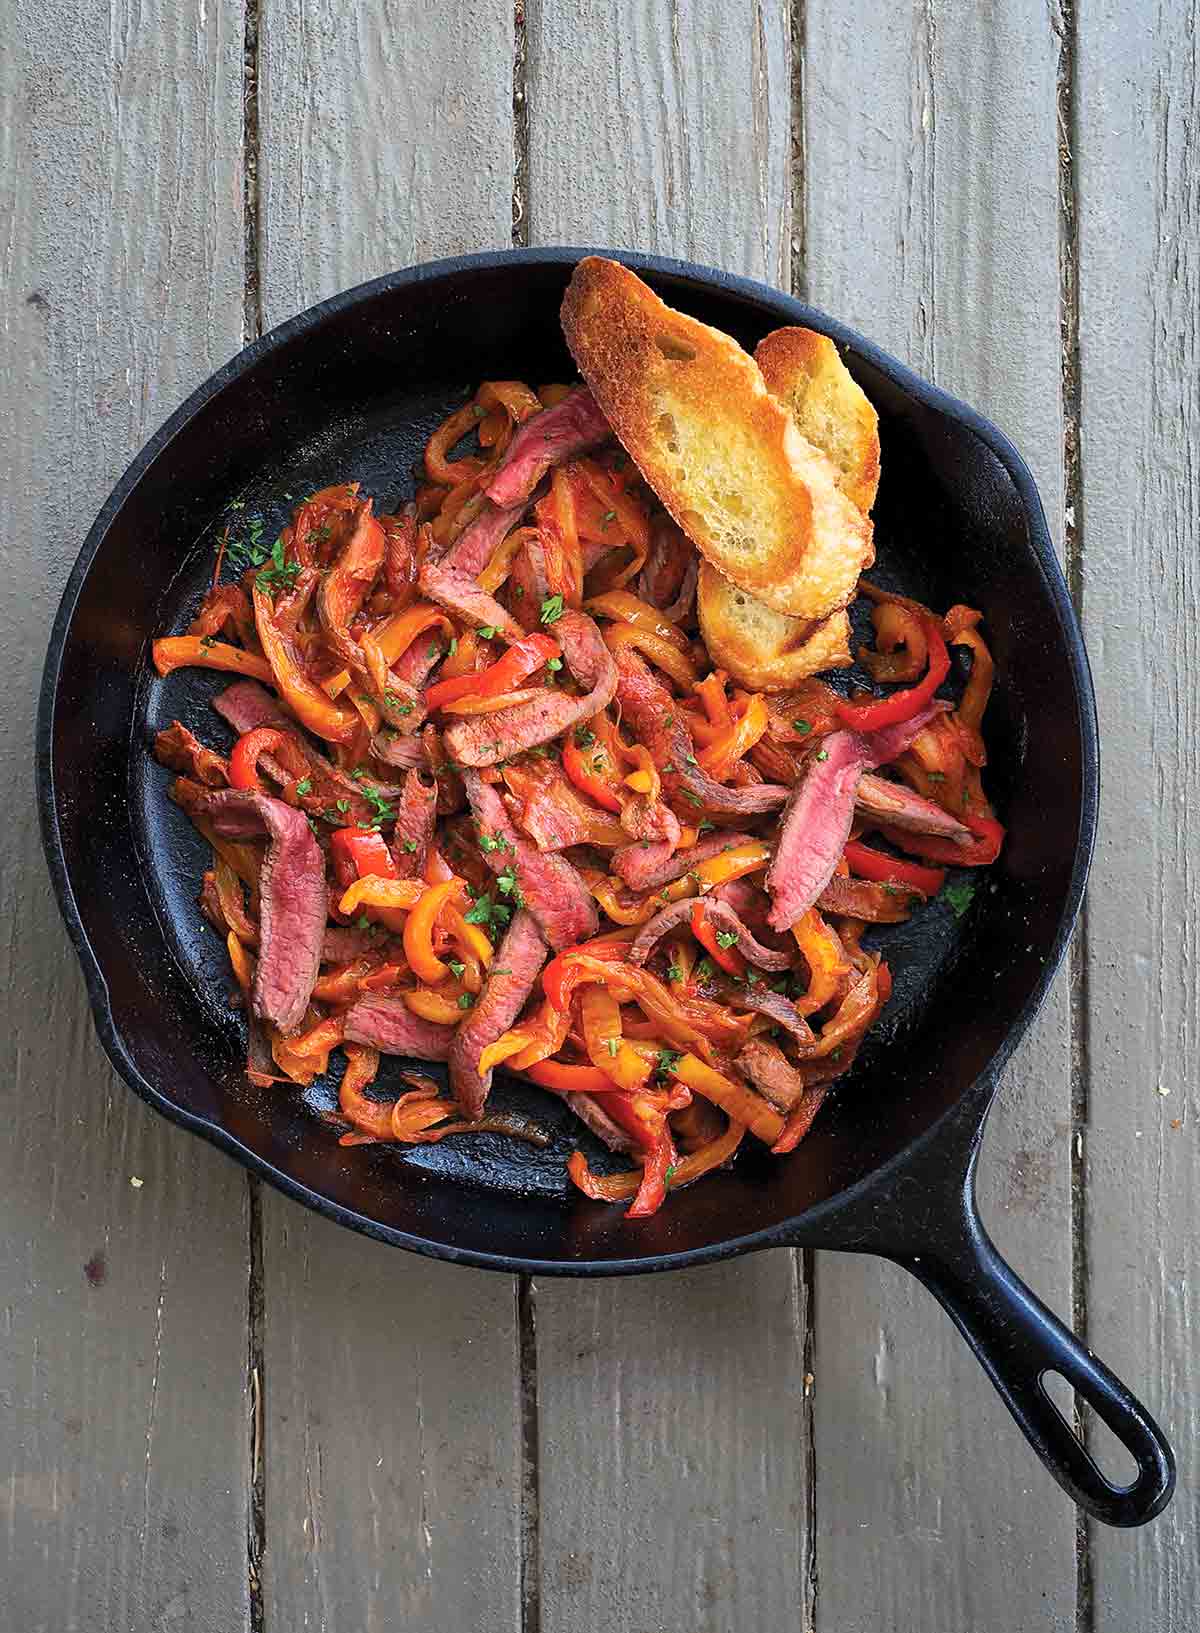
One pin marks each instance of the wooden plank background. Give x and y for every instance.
(1005, 196)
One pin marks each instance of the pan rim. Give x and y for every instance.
(972, 1104)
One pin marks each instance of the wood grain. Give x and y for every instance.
(932, 225)
(124, 1430)
(1139, 230)
(672, 1416)
(393, 1476)
(386, 138)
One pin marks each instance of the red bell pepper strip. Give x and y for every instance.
(243, 762)
(986, 848)
(872, 864)
(588, 777)
(358, 853)
(645, 1119)
(519, 662)
(561, 975)
(871, 714)
(729, 959)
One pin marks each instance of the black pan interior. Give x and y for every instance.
(352, 392)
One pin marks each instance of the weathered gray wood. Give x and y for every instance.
(1139, 192)
(386, 135)
(124, 1431)
(932, 225)
(673, 1423)
(393, 1472)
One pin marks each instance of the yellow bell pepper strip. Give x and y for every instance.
(644, 778)
(472, 943)
(736, 1099)
(616, 1187)
(828, 966)
(243, 964)
(726, 749)
(344, 984)
(507, 1045)
(901, 646)
(512, 396)
(432, 1005)
(439, 467)
(711, 692)
(626, 608)
(196, 652)
(228, 887)
(373, 891)
(318, 713)
(499, 563)
(600, 1019)
(968, 717)
(547, 1034)
(370, 1117)
(320, 1038)
(491, 705)
(689, 1022)
(391, 640)
(418, 932)
(858, 1009)
(560, 1077)
(734, 863)
(242, 856)
(668, 658)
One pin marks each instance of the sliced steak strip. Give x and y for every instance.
(550, 887)
(514, 970)
(416, 818)
(293, 901)
(463, 597)
(385, 1022)
(478, 543)
(816, 822)
(681, 862)
(772, 1074)
(655, 720)
(484, 739)
(719, 913)
(556, 434)
(900, 807)
(591, 1113)
(641, 865)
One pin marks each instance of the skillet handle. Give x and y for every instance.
(1017, 1340)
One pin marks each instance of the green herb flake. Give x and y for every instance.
(960, 896)
(726, 938)
(453, 647)
(666, 1061)
(583, 737)
(612, 1045)
(707, 827)
(670, 1174)
(465, 1000)
(936, 776)
(507, 885)
(456, 968)
(691, 759)
(487, 632)
(410, 845)
(343, 805)
(552, 609)
(304, 787)
(822, 754)
(674, 973)
(802, 726)
(704, 970)
(609, 516)
(362, 922)
(694, 798)
(554, 663)
(206, 642)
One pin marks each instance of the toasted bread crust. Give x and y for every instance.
(760, 647)
(805, 371)
(724, 457)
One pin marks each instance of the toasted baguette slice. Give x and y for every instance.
(723, 456)
(805, 372)
(760, 647)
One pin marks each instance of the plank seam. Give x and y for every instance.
(810, 1582)
(1080, 1062)
(256, 1515)
(520, 98)
(531, 1544)
(798, 202)
(252, 307)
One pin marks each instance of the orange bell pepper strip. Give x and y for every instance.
(867, 863)
(800, 1119)
(626, 608)
(521, 660)
(314, 710)
(871, 714)
(393, 638)
(546, 1034)
(197, 652)
(616, 1187)
(726, 957)
(858, 1009)
(736, 1099)
(733, 863)
(565, 971)
(243, 964)
(562, 1078)
(431, 1005)
(600, 1019)
(901, 646)
(439, 467)
(283, 746)
(375, 892)
(827, 964)
(728, 747)
(418, 931)
(989, 838)
(362, 853)
(321, 1038)
(590, 769)
(343, 984)
(667, 657)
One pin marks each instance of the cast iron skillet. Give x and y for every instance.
(351, 389)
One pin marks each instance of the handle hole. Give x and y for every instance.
(1111, 1456)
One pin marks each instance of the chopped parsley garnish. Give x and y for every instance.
(453, 648)
(432, 650)
(726, 938)
(305, 786)
(410, 845)
(667, 1060)
(552, 609)
(281, 574)
(583, 737)
(609, 516)
(456, 968)
(486, 911)
(706, 827)
(381, 811)
(507, 885)
(362, 922)
(704, 970)
(691, 759)
(670, 1173)
(960, 896)
(554, 663)
(936, 776)
(802, 726)
(674, 973)
(822, 754)
(495, 842)
(252, 552)
(343, 805)
(694, 798)
(612, 1045)
(487, 632)
(206, 642)
(465, 1000)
